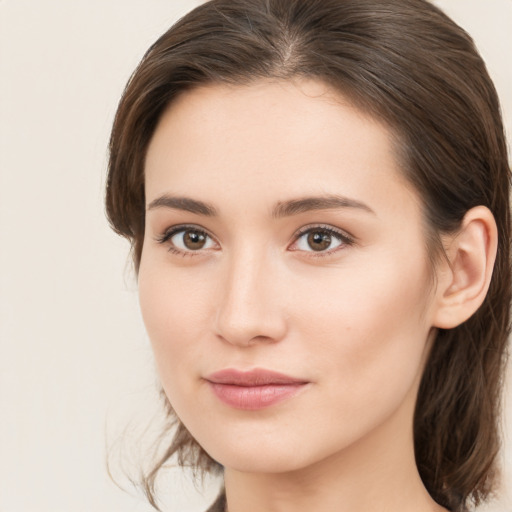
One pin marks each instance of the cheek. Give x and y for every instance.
(173, 310)
(369, 329)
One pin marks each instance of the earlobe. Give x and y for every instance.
(464, 281)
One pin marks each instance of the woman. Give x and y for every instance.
(317, 197)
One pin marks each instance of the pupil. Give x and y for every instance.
(194, 240)
(319, 241)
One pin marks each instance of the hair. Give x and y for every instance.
(407, 64)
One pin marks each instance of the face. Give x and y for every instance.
(284, 281)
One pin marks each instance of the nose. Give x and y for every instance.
(249, 310)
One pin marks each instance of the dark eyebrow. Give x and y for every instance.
(282, 209)
(183, 203)
(306, 204)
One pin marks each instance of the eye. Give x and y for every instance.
(184, 239)
(320, 239)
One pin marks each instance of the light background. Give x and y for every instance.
(75, 366)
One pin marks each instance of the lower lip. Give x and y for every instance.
(253, 398)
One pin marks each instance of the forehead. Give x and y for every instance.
(267, 139)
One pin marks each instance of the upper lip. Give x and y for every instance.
(255, 377)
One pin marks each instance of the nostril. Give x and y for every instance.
(251, 326)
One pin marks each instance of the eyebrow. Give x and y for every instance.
(306, 204)
(281, 209)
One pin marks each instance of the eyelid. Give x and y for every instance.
(345, 238)
(168, 233)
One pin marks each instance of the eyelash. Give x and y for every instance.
(344, 239)
(169, 233)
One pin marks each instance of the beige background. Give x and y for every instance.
(75, 366)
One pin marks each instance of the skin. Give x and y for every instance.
(355, 320)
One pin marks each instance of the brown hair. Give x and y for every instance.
(408, 64)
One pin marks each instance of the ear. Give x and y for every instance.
(465, 276)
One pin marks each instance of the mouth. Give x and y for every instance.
(255, 389)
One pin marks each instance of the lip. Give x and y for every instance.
(254, 389)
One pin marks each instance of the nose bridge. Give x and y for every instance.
(248, 309)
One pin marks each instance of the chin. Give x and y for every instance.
(260, 460)
(263, 454)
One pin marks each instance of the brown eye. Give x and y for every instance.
(194, 240)
(319, 240)
(188, 240)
